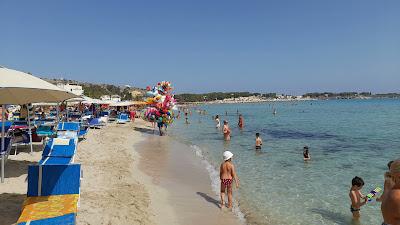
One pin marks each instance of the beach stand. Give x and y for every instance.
(21, 88)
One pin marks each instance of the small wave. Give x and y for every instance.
(215, 181)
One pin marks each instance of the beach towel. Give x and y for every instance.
(55, 209)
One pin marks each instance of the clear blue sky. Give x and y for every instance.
(208, 45)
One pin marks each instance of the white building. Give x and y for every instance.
(114, 98)
(74, 88)
(105, 97)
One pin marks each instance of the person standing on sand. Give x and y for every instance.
(391, 202)
(227, 174)
(227, 131)
(240, 123)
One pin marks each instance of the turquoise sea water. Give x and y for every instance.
(347, 138)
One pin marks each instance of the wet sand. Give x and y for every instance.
(175, 168)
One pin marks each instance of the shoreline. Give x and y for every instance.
(184, 179)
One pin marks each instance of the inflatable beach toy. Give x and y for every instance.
(373, 193)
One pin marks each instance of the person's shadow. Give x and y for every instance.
(209, 199)
(335, 217)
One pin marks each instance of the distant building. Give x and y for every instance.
(74, 88)
(115, 98)
(105, 97)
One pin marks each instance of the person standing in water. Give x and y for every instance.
(227, 175)
(217, 122)
(388, 185)
(240, 123)
(227, 131)
(306, 154)
(258, 141)
(391, 202)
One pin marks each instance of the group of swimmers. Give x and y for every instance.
(390, 198)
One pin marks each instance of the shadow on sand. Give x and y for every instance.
(16, 168)
(145, 130)
(10, 207)
(209, 199)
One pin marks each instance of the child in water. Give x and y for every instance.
(227, 174)
(356, 196)
(258, 141)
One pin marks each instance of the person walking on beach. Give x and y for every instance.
(356, 196)
(227, 175)
(306, 154)
(391, 202)
(227, 131)
(217, 122)
(240, 123)
(258, 141)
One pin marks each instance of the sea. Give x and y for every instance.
(346, 138)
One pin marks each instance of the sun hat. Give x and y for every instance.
(227, 155)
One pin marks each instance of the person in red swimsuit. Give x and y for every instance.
(227, 175)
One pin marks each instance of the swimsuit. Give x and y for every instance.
(353, 209)
(258, 147)
(226, 182)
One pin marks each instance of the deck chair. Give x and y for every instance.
(122, 118)
(95, 123)
(53, 195)
(68, 130)
(45, 131)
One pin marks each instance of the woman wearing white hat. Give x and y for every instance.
(227, 174)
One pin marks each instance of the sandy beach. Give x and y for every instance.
(130, 176)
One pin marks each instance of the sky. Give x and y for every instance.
(282, 46)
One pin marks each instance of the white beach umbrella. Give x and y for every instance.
(21, 88)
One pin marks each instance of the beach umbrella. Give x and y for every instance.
(20, 88)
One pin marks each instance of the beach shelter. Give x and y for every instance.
(20, 88)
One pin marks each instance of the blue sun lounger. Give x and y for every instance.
(122, 118)
(68, 130)
(45, 131)
(53, 195)
(60, 147)
(95, 123)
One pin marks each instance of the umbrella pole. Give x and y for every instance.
(3, 114)
(58, 113)
(29, 129)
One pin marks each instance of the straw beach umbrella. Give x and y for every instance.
(20, 88)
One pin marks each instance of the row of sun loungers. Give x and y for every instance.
(54, 184)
